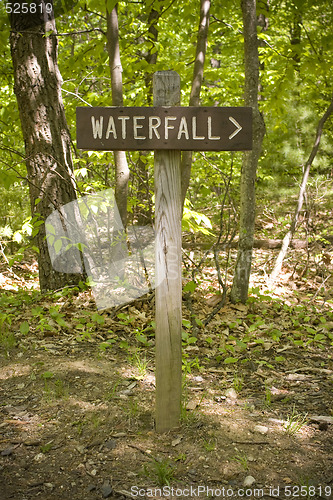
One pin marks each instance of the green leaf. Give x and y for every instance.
(24, 327)
(81, 246)
(230, 360)
(58, 245)
(50, 228)
(110, 4)
(190, 286)
(98, 318)
(141, 338)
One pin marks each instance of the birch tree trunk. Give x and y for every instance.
(198, 71)
(240, 286)
(37, 86)
(121, 166)
(290, 234)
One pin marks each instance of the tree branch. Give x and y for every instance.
(290, 234)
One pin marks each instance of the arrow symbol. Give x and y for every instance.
(238, 129)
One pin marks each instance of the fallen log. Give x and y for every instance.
(268, 244)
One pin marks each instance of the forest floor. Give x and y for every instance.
(77, 392)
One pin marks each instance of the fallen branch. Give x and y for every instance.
(265, 244)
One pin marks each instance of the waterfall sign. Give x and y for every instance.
(166, 128)
(163, 127)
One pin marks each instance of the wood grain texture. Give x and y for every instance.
(168, 268)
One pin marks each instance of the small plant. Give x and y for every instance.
(43, 321)
(238, 382)
(160, 471)
(132, 412)
(187, 338)
(188, 364)
(123, 344)
(87, 325)
(112, 391)
(95, 421)
(209, 445)
(46, 448)
(47, 375)
(125, 319)
(56, 389)
(241, 458)
(139, 362)
(60, 389)
(142, 337)
(268, 396)
(183, 409)
(295, 422)
(187, 415)
(307, 488)
(79, 424)
(7, 341)
(107, 344)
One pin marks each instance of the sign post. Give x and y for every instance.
(166, 128)
(168, 251)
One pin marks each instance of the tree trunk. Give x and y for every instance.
(290, 234)
(144, 208)
(198, 71)
(240, 286)
(122, 170)
(37, 88)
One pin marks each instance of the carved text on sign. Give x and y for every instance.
(191, 128)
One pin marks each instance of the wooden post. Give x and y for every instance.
(166, 90)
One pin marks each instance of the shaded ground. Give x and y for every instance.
(77, 397)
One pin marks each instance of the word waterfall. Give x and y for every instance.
(182, 128)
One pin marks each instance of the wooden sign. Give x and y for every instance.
(168, 129)
(174, 127)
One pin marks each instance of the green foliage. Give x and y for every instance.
(140, 363)
(210, 445)
(295, 422)
(7, 341)
(295, 90)
(238, 382)
(24, 328)
(194, 221)
(241, 458)
(160, 471)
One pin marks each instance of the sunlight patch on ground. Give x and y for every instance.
(85, 405)
(82, 366)
(17, 370)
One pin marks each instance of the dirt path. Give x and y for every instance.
(77, 423)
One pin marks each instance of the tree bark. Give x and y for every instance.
(121, 166)
(198, 71)
(240, 286)
(37, 86)
(144, 208)
(290, 234)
